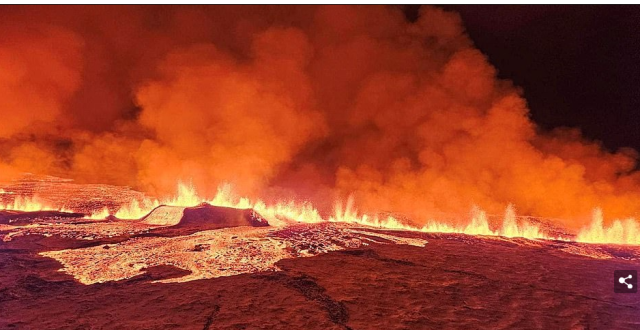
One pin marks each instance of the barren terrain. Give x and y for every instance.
(68, 275)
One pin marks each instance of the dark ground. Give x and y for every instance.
(454, 282)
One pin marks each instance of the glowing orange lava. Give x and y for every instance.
(625, 232)
(31, 204)
(288, 212)
(621, 231)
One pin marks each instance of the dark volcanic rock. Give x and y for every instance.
(184, 221)
(447, 284)
(206, 216)
(159, 273)
(20, 218)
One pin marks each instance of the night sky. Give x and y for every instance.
(579, 66)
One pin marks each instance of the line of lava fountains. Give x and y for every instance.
(620, 232)
(31, 204)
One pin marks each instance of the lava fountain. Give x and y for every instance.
(279, 162)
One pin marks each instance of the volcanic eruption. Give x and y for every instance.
(165, 145)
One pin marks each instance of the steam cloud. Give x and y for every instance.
(312, 102)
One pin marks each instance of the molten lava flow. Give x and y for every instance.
(223, 252)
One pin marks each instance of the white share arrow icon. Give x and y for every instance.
(623, 280)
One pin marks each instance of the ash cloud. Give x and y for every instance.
(307, 102)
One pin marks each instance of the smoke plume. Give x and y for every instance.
(308, 102)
